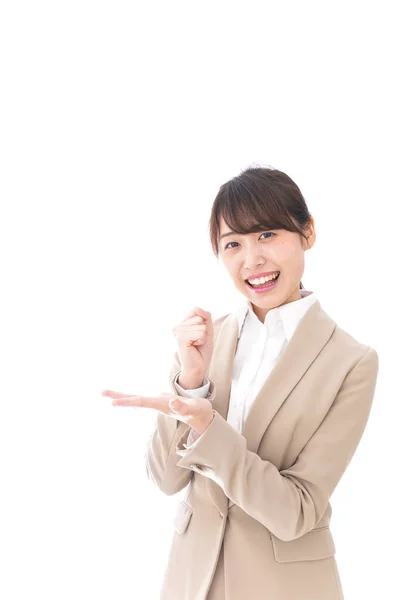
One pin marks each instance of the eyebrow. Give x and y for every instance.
(233, 233)
(229, 233)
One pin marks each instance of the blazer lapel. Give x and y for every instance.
(309, 338)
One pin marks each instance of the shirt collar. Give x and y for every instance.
(288, 314)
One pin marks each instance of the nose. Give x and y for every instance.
(254, 263)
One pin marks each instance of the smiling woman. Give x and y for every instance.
(290, 394)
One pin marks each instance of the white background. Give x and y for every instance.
(119, 122)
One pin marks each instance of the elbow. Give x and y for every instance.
(286, 533)
(170, 491)
(300, 518)
(165, 485)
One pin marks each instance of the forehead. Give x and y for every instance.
(225, 230)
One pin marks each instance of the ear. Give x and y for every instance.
(310, 234)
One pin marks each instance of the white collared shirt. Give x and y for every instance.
(259, 348)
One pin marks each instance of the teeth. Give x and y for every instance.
(257, 281)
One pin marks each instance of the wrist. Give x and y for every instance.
(200, 425)
(190, 381)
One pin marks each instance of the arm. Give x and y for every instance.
(161, 458)
(292, 501)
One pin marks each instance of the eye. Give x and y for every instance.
(269, 233)
(265, 233)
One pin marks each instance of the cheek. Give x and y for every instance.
(229, 267)
(288, 253)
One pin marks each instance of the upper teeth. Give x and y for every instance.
(258, 280)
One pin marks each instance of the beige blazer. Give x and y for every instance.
(253, 522)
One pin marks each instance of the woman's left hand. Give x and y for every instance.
(196, 412)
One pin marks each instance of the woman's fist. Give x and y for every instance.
(195, 339)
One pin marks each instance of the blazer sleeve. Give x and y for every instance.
(161, 457)
(203, 392)
(292, 501)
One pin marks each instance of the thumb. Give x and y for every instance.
(175, 404)
(186, 406)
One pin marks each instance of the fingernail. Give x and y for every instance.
(176, 404)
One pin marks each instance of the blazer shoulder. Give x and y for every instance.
(349, 346)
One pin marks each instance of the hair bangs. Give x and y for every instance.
(247, 210)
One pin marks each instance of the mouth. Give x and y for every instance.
(268, 285)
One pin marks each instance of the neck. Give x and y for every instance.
(262, 312)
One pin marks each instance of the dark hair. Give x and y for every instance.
(259, 198)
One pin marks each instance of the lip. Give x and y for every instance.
(262, 274)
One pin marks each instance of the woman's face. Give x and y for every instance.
(245, 256)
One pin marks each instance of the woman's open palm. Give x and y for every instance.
(189, 410)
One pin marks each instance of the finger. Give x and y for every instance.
(159, 402)
(185, 330)
(190, 328)
(207, 319)
(136, 401)
(194, 321)
(197, 311)
(112, 394)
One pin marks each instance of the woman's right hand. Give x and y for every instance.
(195, 339)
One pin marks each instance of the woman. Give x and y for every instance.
(274, 398)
